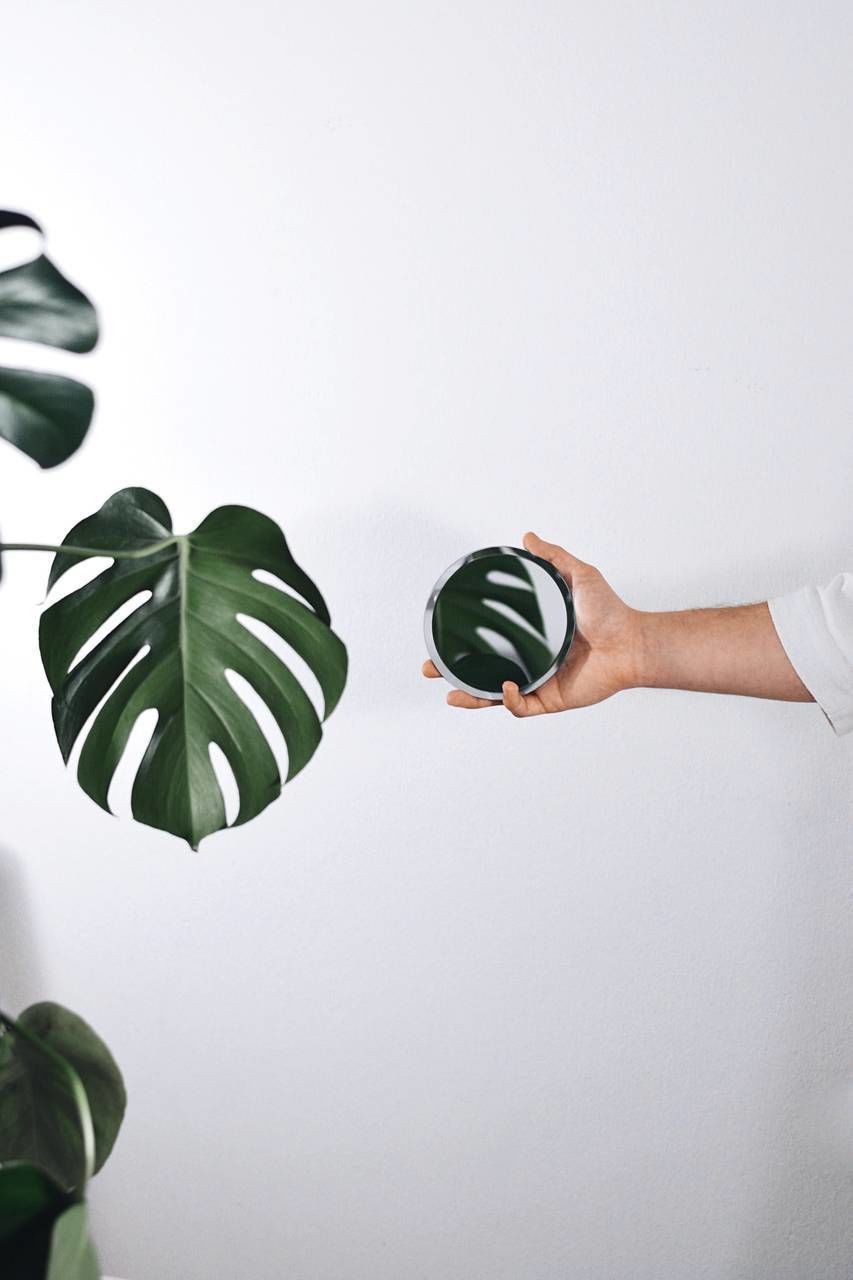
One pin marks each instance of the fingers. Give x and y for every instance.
(559, 557)
(513, 699)
(516, 702)
(456, 698)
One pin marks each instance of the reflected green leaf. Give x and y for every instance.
(465, 610)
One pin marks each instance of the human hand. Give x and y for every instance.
(601, 660)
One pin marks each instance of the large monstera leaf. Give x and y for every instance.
(43, 414)
(465, 614)
(173, 652)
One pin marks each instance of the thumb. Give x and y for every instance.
(565, 563)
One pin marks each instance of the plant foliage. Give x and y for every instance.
(43, 414)
(48, 1056)
(49, 1141)
(173, 654)
(43, 1230)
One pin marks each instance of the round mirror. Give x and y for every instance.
(499, 614)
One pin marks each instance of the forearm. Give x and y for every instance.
(729, 650)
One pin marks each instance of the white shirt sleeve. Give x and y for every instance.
(815, 625)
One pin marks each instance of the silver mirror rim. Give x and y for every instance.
(520, 552)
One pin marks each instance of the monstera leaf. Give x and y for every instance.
(465, 614)
(173, 654)
(44, 1111)
(43, 414)
(49, 1057)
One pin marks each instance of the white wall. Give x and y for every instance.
(477, 999)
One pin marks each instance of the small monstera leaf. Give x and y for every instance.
(62, 1097)
(44, 414)
(173, 652)
(464, 614)
(45, 1115)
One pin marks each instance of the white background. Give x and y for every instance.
(476, 999)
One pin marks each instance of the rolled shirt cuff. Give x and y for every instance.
(815, 626)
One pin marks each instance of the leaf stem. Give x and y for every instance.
(108, 552)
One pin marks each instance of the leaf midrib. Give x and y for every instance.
(182, 543)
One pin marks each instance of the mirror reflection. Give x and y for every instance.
(499, 614)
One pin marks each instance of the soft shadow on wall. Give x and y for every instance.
(21, 975)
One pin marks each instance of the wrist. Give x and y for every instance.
(637, 665)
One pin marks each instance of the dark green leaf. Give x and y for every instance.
(43, 1231)
(38, 304)
(27, 1195)
(8, 218)
(44, 414)
(47, 1056)
(198, 583)
(31, 1204)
